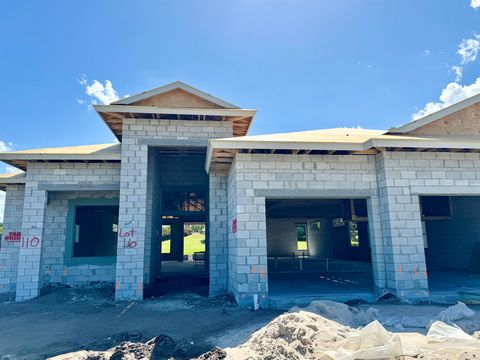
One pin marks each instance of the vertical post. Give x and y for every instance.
(217, 251)
(30, 253)
(402, 239)
(132, 239)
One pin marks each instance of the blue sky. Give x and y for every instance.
(302, 64)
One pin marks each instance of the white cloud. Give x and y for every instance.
(475, 4)
(458, 71)
(83, 80)
(5, 146)
(99, 93)
(451, 94)
(468, 49)
(105, 93)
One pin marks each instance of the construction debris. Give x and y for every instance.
(160, 347)
(308, 334)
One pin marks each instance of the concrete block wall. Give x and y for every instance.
(233, 280)
(134, 263)
(295, 176)
(29, 276)
(54, 268)
(30, 254)
(403, 177)
(218, 237)
(153, 222)
(131, 269)
(12, 222)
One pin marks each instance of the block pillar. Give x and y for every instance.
(247, 242)
(405, 266)
(376, 245)
(218, 232)
(12, 228)
(131, 268)
(31, 243)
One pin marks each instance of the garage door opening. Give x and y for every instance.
(451, 233)
(319, 248)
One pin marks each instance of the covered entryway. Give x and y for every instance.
(318, 248)
(451, 233)
(179, 221)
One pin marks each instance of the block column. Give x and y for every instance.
(376, 245)
(131, 268)
(247, 241)
(405, 266)
(218, 237)
(31, 243)
(11, 237)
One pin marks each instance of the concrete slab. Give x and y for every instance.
(286, 290)
(451, 286)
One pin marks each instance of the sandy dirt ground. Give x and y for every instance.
(67, 320)
(73, 319)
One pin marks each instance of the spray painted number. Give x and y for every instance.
(127, 237)
(30, 243)
(131, 244)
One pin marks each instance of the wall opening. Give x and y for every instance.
(91, 231)
(318, 247)
(451, 237)
(179, 222)
(95, 231)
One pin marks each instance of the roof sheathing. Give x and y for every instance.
(221, 152)
(87, 153)
(14, 178)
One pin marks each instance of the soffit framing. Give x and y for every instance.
(113, 116)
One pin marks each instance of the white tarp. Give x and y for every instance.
(374, 342)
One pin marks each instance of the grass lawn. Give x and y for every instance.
(192, 243)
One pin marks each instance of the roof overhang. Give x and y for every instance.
(100, 153)
(221, 152)
(14, 178)
(113, 116)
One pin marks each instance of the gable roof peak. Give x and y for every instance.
(172, 86)
(435, 116)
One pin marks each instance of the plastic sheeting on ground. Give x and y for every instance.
(374, 342)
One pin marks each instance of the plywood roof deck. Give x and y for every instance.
(339, 141)
(86, 153)
(13, 178)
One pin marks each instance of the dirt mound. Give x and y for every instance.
(294, 335)
(160, 347)
(326, 330)
(215, 354)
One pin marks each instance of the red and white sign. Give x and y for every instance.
(13, 236)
